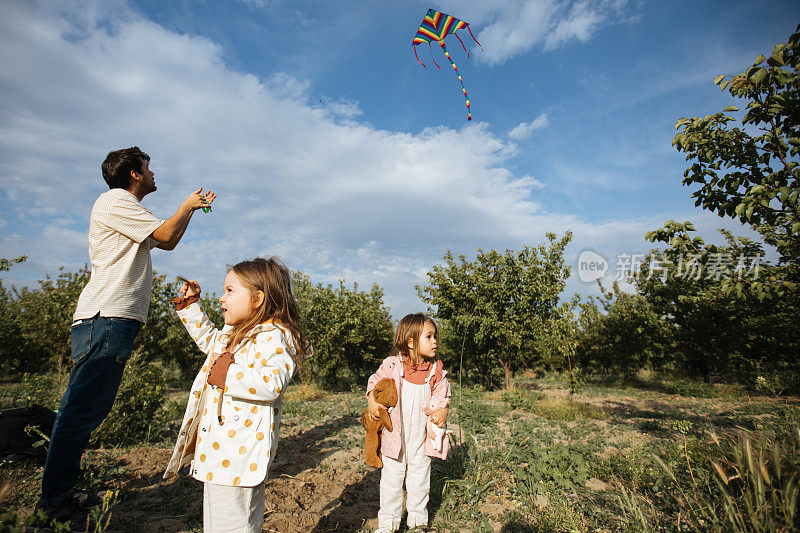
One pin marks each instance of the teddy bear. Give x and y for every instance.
(434, 432)
(385, 393)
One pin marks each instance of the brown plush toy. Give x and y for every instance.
(385, 393)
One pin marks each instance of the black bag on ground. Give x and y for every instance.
(13, 422)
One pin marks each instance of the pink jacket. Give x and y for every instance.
(391, 440)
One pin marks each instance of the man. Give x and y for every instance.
(111, 309)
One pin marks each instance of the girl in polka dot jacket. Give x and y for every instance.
(230, 430)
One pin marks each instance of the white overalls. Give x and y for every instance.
(413, 465)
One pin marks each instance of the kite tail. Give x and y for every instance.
(432, 59)
(462, 43)
(455, 68)
(474, 39)
(418, 61)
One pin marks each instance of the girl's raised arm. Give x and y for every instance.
(201, 329)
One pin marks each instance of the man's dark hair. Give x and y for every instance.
(118, 166)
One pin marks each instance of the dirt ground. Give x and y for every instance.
(318, 481)
(314, 485)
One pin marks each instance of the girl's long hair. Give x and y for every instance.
(271, 277)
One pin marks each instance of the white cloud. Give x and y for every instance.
(580, 22)
(508, 28)
(524, 129)
(255, 3)
(332, 196)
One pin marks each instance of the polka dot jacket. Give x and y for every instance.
(238, 450)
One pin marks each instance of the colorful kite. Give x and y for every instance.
(435, 27)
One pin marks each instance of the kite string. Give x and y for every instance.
(365, 80)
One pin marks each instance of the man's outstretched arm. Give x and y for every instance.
(170, 232)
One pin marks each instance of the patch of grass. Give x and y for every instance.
(518, 398)
(563, 409)
(739, 483)
(650, 425)
(691, 389)
(475, 414)
(305, 392)
(553, 512)
(330, 405)
(634, 467)
(665, 383)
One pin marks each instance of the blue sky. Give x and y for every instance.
(328, 144)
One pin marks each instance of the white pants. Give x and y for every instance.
(233, 509)
(413, 465)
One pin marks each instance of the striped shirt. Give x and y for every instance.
(119, 250)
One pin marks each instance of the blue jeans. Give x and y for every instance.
(101, 347)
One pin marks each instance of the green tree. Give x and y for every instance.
(35, 328)
(164, 337)
(45, 316)
(501, 301)
(716, 330)
(750, 171)
(350, 330)
(15, 352)
(6, 264)
(628, 334)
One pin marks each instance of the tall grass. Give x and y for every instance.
(760, 481)
(754, 487)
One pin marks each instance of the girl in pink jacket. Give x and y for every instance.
(423, 394)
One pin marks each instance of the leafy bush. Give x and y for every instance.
(138, 414)
(35, 323)
(542, 468)
(628, 334)
(43, 389)
(500, 302)
(350, 330)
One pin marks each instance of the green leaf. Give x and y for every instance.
(731, 108)
(719, 79)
